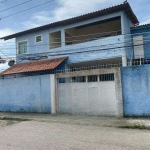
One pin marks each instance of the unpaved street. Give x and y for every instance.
(36, 135)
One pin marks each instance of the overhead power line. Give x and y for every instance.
(92, 51)
(16, 5)
(4, 54)
(27, 9)
(126, 41)
(89, 51)
(86, 51)
(100, 33)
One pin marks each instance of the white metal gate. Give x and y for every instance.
(94, 92)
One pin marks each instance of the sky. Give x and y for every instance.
(51, 11)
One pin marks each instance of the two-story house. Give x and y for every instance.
(102, 37)
(95, 38)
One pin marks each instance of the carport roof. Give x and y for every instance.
(40, 65)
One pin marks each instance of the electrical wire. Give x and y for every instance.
(16, 5)
(78, 49)
(92, 50)
(119, 47)
(74, 45)
(99, 49)
(27, 9)
(4, 54)
(93, 46)
(127, 34)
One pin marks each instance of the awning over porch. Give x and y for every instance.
(40, 65)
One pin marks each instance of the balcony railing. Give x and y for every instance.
(89, 37)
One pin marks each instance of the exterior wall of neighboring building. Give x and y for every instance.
(136, 87)
(88, 51)
(145, 32)
(27, 94)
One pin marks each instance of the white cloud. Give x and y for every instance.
(6, 31)
(37, 19)
(3, 67)
(145, 20)
(67, 9)
(7, 48)
(73, 8)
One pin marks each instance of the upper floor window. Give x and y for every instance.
(22, 47)
(38, 38)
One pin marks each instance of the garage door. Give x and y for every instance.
(91, 94)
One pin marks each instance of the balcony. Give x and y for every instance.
(93, 41)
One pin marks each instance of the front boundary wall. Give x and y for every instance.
(136, 90)
(42, 94)
(92, 98)
(28, 94)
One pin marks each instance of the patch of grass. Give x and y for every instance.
(136, 126)
(14, 119)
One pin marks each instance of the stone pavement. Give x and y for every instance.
(79, 119)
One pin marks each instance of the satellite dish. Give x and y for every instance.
(11, 63)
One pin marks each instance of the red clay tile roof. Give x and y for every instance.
(122, 7)
(39, 65)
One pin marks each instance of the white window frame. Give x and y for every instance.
(18, 47)
(41, 38)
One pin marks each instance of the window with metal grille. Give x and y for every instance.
(79, 79)
(106, 77)
(62, 80)
(92, 78)
(38, 38)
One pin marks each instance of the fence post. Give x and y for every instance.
(124, 59)
(53, 93)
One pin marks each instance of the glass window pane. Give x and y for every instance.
(39, 38)
(22, 48)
